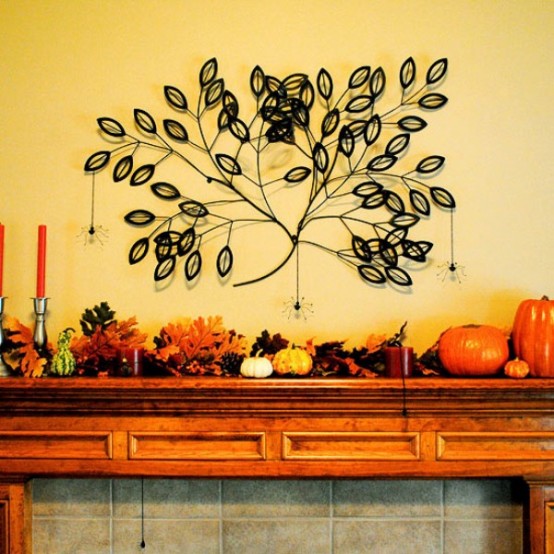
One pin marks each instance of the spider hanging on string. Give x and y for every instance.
(92, 234)
(451, 269)
(298, 307)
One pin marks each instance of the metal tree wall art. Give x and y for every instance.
(355, 191)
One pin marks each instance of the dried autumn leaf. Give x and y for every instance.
(24, 355)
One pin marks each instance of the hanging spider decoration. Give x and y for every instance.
(92, 234)
(345, 159)
(297, 306)
(451, 269)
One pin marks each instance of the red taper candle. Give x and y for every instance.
(41, 262)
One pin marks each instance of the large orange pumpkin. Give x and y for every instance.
(473, 350)
(533, 335)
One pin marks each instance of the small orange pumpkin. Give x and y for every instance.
(518, 369)
(292, 361)
(533, 335)
(473, 350)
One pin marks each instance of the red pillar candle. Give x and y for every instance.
(130, 360)
(399, 360)
(41, 262)
(1, 259)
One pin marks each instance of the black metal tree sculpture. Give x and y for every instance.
(346, 158)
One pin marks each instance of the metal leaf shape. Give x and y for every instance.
(330, 123)
(275, 86)
(407, 73)
(257, 81)
(176, 130)
(361, 249)
(98, 160)
(394, 202)
(398, 144)
(228, 164)
(419, 202)
(193, 265)
(430, 164)
(404, 220)
(186, 241)
(388, 255)
(396, 237)
(297, 174)
(122, 168)
(432, 101)
(346, 141)
(175, 98)
(359, 77)
(300, 113)
(293, 83)
(377, 83)
(208, 72)
(111, 127)
(437, 71)
(165, 191)
(164, 268)
(139, 217)
(372, 130)
(412, 123)
(167, 244)
(307, 94)
(398, 276)
(324, 84)
(139, 250)
(230, 104)
(381, 162)
(224, 262)
(192, 208)
(359, 103)
(321, 157)
(214, 92)
(367, 188)
(358, 127)
(373, 201)
(144, 121)
(239, 130)
(442, 197)
(371, 274)
(142, 175)
(416, 251)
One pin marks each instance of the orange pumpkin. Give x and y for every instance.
(292, 361)
(533, 335)
(473, 350)
(518, 369)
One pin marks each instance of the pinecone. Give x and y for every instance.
(230, 363)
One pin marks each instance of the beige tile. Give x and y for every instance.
(387, 498)
(166, 536)
(387, 537)
(483, 537)
(478, 499)
(71, 497)
(166, 498)
(276, 536)
(294, 498)
(71, 536)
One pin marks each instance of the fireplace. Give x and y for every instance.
(292, 429)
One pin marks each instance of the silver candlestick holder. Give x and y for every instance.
(4, 369)
(39, 337)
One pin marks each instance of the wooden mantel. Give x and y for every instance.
(276, 428)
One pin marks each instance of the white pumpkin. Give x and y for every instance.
(257, 367)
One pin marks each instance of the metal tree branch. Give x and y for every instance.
(350, 169)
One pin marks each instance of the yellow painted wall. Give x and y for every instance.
(65, 63)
